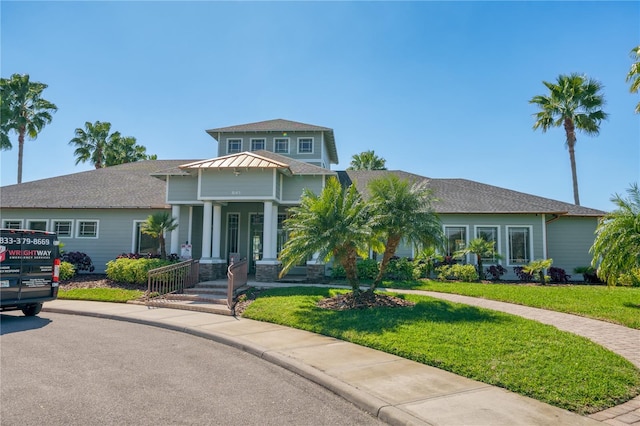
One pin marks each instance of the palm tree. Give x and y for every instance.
(24, 111)
(367, 160)
(634, 74)
(91, 143)
(402, 210)
(157, 225)
(617, 244)
(123, 149)
(332, 224)
(482, 249)
(575, 103)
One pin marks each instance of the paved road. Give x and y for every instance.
(64, 369)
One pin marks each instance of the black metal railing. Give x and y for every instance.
(172, 278)
(236, 278)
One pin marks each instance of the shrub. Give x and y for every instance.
(367, 269)
(631, 278)
(522, 275)
(67, 271)
(457, 272)
(399, 269)
(80, 261)
(589, 274)
(496, 271)
(338, 272)
(171, 257)
(558, 275)
(132, 271)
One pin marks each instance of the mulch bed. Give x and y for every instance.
(97, 281)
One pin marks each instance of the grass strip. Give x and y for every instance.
(116, 295)
(619, 305)
(517, 354)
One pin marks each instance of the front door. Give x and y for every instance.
(256, 231)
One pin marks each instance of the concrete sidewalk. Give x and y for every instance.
(396, 390)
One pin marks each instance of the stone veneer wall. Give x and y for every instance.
(212, 271)
(267, 273)
(316, 273)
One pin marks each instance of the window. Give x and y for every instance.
(63, 228)
(87, 229)
(234, 146)
(489, 233)
(519, 239)
(233, 231)
(281, 145)
(257, 144)
(305, 145)
(144, 243)
(12, 224)
(456, 239)
(37, 225)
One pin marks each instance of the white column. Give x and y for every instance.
(217, 229)
(175, 242)
(267, 233)
(206, 230)
(274, 232)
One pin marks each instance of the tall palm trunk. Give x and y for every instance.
(570, 130)
(480, 267)
(20, 152)
(390, 250)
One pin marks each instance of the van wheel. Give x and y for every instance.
(31, 310)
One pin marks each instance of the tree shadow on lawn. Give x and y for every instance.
(384, 319)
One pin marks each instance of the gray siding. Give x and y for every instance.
(182, 189)
(293, 186)
(224, 184)
(115, 230)
(569, 240)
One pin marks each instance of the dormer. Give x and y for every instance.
(303, 142)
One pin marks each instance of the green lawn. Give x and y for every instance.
(620, 305)
(521, 355)
(117, 295)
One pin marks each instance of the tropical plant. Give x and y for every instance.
(156, 225)
(402, 210)
(537, 267)
(24, 111)
(91, 143)
(633, 76)
(123, 149)
(616, 249)
(496, 271)
(481, 248)
(332, 224)
(575, 103)
(367, 160)
(101, 148)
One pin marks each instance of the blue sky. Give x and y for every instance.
(440, 89)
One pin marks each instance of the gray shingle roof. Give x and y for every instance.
(125, 186)
(133, 185)
(466, 196)
(280, 125)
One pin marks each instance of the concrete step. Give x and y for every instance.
(218, 299)
(220, 292)
(192, 305)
